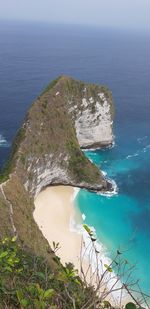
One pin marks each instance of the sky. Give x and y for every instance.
(110, 13)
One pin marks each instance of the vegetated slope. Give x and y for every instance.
(67, 116)
(27, 281)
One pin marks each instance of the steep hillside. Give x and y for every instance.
(68, 115)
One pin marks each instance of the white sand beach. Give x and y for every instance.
(54, 210)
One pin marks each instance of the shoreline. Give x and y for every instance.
(61, 223)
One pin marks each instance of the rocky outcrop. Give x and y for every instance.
(94, 128)
(68, 116)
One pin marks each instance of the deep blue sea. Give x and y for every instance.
(33, 54)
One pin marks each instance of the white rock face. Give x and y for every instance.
(51, 172)
(94, 128)
(45, 173)
(47, 176)
(92, 120)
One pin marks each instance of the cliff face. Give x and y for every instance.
(94, 124)
(69, 115)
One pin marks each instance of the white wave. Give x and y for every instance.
(104, 173)
(114, 190)
(83, 217)
(133, 155)
(91, 258)
(139, 152)
(3, 141)
(113, 143)
(146, 148)
(141, 139)
(104, 260)
(75, 193)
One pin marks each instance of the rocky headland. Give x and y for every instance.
(68, 116)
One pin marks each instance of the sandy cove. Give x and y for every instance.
(54, 210)
(53, 213)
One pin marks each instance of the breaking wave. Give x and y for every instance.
(91, 259)
(113, 191)
(139, 152)
(142, 139)
(3, 141)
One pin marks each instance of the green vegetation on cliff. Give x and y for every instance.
(46, 142)
(27, 281)
(45, 151)
(49, 129)
(79, 165)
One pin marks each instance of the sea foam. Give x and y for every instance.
(139, 152)
(3, 141)
(88, 255)
(114, 186)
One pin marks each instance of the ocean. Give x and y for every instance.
(33, 54)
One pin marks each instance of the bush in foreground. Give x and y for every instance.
(27, 281)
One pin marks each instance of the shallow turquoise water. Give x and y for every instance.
(122, 221)
(33, 54)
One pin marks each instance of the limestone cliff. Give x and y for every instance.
(67, 116)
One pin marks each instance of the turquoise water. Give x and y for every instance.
(122, 221)
(33, 54)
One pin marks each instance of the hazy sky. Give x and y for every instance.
(114, 13)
